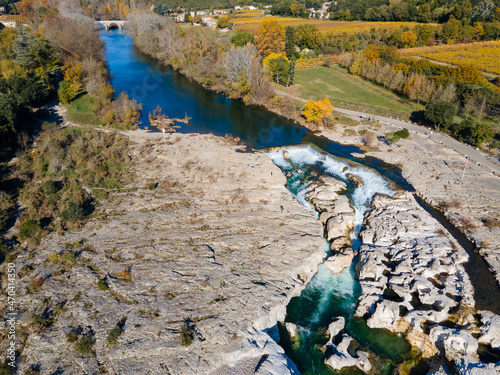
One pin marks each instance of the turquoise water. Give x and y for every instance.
(327, 296)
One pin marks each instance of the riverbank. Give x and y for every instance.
(435, 171)
(198, 241)
(412, 280)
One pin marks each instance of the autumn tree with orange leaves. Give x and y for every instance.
(270, 38)
(317, 111)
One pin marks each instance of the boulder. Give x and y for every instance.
(334, 329)
(386, 315)
(457, 344)
(490, 329)
(337, 262)
(292, 330)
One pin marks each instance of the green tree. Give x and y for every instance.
(65, 93)
(290, 42)
(451, 31)
(223, 23)
(242, 38)
(308, 36)
(480, 134)
(281, 69)
(463, 11)
(440, 114)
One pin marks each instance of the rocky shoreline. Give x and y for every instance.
(413, 282)
(472, 205)
(209, 239)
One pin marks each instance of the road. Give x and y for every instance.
(474, 155)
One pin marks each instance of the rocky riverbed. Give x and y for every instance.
(413, 282)
(191, 267)
(435, 171)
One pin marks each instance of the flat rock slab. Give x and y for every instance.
(208, 248)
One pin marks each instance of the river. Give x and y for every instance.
(152, 84)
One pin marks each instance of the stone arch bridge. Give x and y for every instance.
(114, 24)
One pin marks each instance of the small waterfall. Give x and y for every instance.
(327, 295)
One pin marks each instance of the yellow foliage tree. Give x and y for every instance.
(270, 38)
(317, 111)
(73, 73)
(273, 56)
(408, 39)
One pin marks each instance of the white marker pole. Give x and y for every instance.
(466, 160)
(163, 130)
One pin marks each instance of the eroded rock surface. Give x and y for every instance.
(208, 249)
(409, 263)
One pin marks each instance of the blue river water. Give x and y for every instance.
(152, 84)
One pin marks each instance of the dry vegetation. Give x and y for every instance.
(484, 55)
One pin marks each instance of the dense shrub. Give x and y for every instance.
(403, 133)
(73, 213)
(72, 337)
(84, 345)
(102, 286)
(187, 335)
(29, 229)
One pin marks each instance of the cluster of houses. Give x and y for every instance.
(207, 17)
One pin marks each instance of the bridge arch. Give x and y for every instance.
(114, 24)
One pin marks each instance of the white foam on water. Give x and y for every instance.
(324, 282)
(279, 160)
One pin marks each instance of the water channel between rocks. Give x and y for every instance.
(326, 295)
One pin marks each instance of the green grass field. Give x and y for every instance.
(351, 92)
(80, 111)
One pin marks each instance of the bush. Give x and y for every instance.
(84, 345)
(403, 133)
(72, 337)
(73, 213)
(30, 229)
(116, 332)
(187, 335)
(242, 38)
(102, 286)
(5, 369)
(49, 187)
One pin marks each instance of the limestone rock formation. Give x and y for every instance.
(197, 269)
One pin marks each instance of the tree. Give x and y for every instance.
(408, 39)
(463, 11)
(270, 38)
(66, 93)
(290, 42)
(242, 38)
(308, 36)
(223, 23)
(480, 134)
(280, 67)
(451, 31)
(317, 111)
(440, 114)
